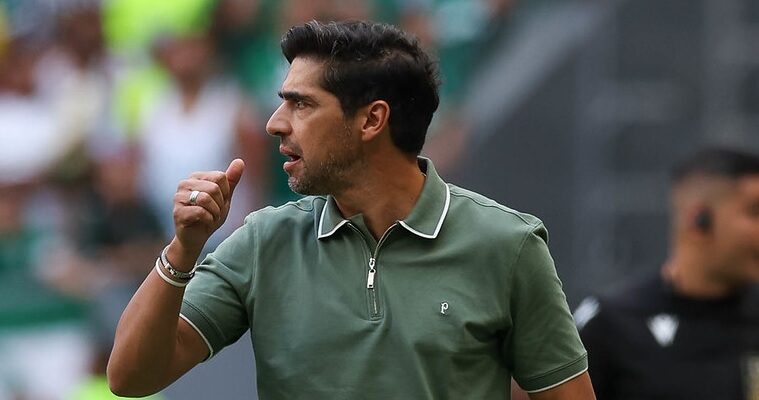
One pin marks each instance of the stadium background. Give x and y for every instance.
(570, 110)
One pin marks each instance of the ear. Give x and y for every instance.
(698, 220)
(375, 118)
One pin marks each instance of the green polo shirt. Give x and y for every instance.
(448, 304)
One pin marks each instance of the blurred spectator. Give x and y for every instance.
(130, 29)
(117, 240)
(116, 235)
(200, 122)
(43, 345)
(26, 124)
(245, 35)
(698, 318)
(77, 66)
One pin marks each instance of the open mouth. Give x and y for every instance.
(292, 158)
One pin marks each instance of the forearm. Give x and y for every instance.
(144, 358)
(153, 346)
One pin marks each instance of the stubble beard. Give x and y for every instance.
(332, 175)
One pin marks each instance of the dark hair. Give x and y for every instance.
(366, 61)
(717, 162)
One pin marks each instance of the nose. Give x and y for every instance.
(278, 124)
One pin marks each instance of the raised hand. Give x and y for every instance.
(201, 205)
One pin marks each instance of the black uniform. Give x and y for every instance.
(647, 342)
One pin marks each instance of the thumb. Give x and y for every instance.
(234, 173)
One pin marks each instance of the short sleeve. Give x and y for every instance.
(543, 348)
(216, 302)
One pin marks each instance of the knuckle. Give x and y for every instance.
(196, 214)
(215, 190)
(218, 177)
(210, 200)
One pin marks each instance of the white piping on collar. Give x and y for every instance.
(439, 222)
(321, 224)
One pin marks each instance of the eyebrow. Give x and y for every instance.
(295, 96)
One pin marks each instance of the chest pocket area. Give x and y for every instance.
(446, 325)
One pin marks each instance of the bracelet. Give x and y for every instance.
(166, 278)
(172, 271)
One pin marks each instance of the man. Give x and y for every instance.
(692, 330)
(384, 283)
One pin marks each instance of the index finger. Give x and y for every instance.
(217, 177)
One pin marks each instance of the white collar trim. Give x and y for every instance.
(321, 223)
(439, 222)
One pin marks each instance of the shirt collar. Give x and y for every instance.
(425, 219)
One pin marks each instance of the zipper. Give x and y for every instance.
(373, 298)
(372, 271)
(374, 306)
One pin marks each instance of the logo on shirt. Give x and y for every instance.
(664, 328)
(444, 308)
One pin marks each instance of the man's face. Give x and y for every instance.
(324, 154)
(735, 233)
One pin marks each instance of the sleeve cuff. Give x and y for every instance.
(202, 325)
(555, 377)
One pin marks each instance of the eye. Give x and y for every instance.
(300, 104)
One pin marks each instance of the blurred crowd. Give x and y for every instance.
(105, 105)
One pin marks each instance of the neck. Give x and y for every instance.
(386, 194)
(690, 277)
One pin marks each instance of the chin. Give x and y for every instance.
(295, 186)
(298, 187)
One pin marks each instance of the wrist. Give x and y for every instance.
(181, 259)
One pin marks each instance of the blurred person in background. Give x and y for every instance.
(116, 237)
(26, 120)
(690, 331)
(43, 340)
(199, 121)
(114, 231)
(380, 288)
(244, 33)
(130, 29)
(76, 75)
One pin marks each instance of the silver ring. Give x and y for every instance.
(194, 197)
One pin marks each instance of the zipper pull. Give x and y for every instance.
(372, 271)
